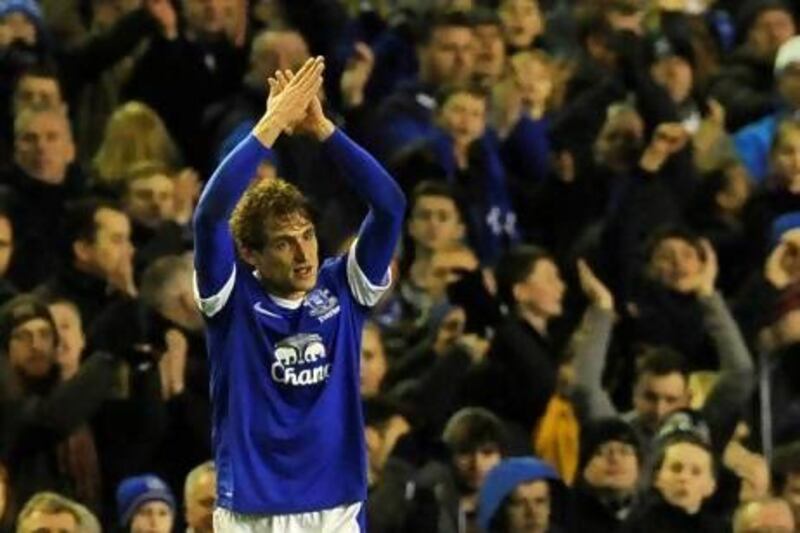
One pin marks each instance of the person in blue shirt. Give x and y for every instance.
(284, 332)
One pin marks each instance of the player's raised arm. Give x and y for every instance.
(214, 246)
(382, 227)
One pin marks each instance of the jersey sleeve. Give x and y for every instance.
(214, 250)
(361, 287)
(380, 231)
(213, 304)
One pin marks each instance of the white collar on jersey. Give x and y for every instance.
(286, 303)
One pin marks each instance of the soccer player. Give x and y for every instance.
(284, 333)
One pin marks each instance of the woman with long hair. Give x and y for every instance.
(133, 133)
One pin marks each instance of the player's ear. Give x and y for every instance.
(249, 256)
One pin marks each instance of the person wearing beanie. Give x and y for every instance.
(672, 63)
(610, 463)
(23, 20)
(145, 505)
(47, 444)
(518, 497)
(745, 84)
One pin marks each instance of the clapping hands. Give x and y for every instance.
(293, 103)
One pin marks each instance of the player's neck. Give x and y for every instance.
(283, 298)
(287, 302)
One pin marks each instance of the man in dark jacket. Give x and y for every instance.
(519, 375)
(684, 478)
(610, 457)
(100, 258)
(44, 437)
(398, 500)
(41, 180)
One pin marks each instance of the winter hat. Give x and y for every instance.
(504, 478)
(782, 224)
(788, 53)
(29, 8)
(598, 432)
(685, 422)
(136, 491)
(20, 310)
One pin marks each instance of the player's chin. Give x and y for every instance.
(305, 281)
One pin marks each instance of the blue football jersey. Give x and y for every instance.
(287, 423)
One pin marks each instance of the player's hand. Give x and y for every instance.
(287, 103)
(314, 122)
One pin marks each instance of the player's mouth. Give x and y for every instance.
(303, 271)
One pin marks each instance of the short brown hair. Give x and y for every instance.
(264, 200)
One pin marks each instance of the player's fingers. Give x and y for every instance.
(281, 78)
(308, 65)
(311, 75)
(306, 72)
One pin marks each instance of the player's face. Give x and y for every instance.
(288, 262)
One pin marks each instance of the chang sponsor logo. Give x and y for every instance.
(300, 361)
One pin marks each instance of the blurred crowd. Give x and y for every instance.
(594, 323)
